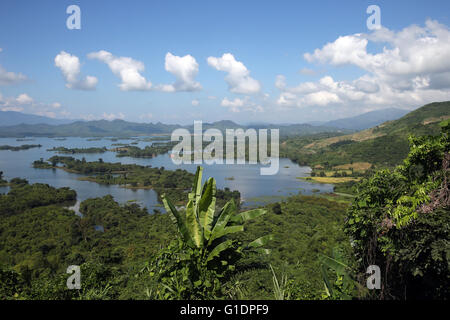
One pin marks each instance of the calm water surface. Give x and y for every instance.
(255, 189)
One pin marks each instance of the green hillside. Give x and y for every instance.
(384, 145)
(422, 121)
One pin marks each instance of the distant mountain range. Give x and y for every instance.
(16, 124)
(100, 128)
(12, 118)
(121, 128)
(367, 120)
(363, 121)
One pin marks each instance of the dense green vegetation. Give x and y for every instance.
(147, 152)
(18, 148)
(23, 196)
(199, 264)
(37, 244)
(400, 221)
(78, 150)
(345, 187)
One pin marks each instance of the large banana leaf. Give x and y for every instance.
(197, 187)
(339, 267)
(201, 224)
(261, 241)
(248, 215)
(262, 250)
(225, 231)
(193, 225)
(341, 270)
(178, 219)
(218, 249)
(171, 210)
(227, 212)
(326, 282)
(207, 206)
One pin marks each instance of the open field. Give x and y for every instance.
(357, 166)
(329, 179)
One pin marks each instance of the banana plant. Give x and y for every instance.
(345, 284)
(201, 227)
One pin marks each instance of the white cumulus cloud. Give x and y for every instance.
(70, 67)
(8, 77)
(24, 103)
(112, 116)
(146, 116)
(238, 77)
(24, 99)
(412, 69)
(126, 68)
(238, 105)
(412, 52)
(185, 69)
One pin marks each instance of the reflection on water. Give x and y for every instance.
(254, 188)
(4, 190)
(99, 228)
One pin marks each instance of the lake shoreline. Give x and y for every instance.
(247, 178)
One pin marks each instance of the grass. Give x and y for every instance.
(433, 120)
(262, 200)
(363, 135)
(338, 197)
(329, 179)
(330, 173)
(345, 195)
(357, 166)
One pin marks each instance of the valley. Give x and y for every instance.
(98, 202)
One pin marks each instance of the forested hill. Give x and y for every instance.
(424, 120)
(384, 145)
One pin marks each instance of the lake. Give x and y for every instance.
(255, 189)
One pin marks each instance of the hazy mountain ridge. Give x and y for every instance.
(367, 120)
(11, 118)
(121, 128)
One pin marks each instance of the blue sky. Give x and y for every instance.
(271, 79)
